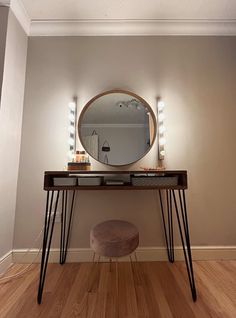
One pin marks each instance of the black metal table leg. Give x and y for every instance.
(182, 219)
(168, 229)
(50, 215)
(67, 205)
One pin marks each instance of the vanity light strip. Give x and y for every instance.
(161, 131)
(72, 129)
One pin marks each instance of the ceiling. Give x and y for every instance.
(125, 17)
(110, 109)
(130, 9)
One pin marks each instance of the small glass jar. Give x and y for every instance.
(81, 156)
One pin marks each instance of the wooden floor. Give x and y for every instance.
(154, 289)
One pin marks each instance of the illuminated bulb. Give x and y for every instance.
(72, 106)
(161, 117)
(71, 129)
(162, 129)
(161, 105)
(71, 141)
(162, 141)
(162, 153)
(71, 118)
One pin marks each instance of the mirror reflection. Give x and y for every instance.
(117, 128)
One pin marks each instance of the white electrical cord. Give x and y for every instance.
(6, 279)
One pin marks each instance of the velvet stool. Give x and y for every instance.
(114, 239)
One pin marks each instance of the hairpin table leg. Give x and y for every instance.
(50, 215)
(182, 219)
(168, 230)
(67, 204)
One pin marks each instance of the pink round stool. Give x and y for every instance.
(114, 238)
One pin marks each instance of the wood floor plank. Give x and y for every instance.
(205, 292)
(10, 308)
(222, 278)
(226, 307)
(139, 283)
(76, 303)
(10, 284)
(199, 307)
(126, 291)
(146, 290)
(62, 290)
(165, 310)
(152, 304)
(178, 304)
(29, 305)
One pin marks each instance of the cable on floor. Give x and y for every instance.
(6, 279)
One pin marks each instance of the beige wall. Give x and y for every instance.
(3, 32)
(195, 76)
(10, 127)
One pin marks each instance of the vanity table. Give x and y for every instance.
(169, 185)
(116, 128)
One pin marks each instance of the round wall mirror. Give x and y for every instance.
(117, 127)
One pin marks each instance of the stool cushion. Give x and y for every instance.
(114, 238)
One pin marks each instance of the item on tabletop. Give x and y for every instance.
(81, 156)
(79, 166)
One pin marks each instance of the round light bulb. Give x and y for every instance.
(162, 129)
(71, 118)
(162, 141)
(161, 117)
(72, 106)
(161, 105)
(71, 129)
(71, 141)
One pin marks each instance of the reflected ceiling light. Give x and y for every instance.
(133, 103)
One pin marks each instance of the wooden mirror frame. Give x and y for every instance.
(121, 91)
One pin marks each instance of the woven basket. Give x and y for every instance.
(154, 181)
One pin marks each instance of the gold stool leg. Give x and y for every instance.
(117, 278)
(132, 265)
(93, 257)
(93, 271)
(135, 268)
(90, 280)
(110, 261)
(117, 290)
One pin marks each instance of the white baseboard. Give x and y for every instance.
(5, 262)
(143, 254)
